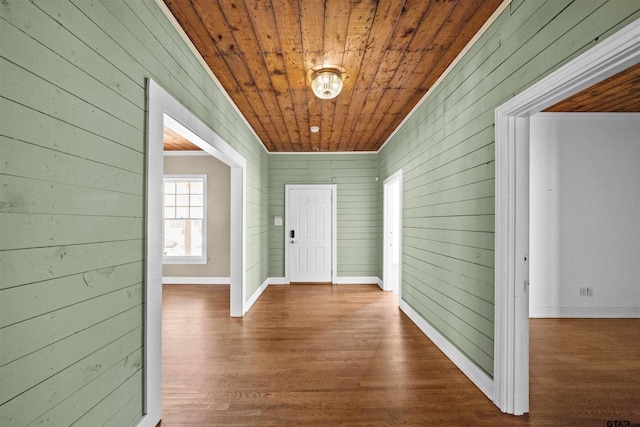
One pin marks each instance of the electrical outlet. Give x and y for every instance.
(586, 292)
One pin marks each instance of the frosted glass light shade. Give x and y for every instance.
(326, 83)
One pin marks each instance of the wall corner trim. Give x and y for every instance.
(470, 369)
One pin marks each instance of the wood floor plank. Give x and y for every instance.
(346, 356)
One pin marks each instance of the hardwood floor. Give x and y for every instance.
(346, 356)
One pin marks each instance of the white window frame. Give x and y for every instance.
(188, 259)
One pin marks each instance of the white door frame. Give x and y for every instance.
(396, 177)
(163, 109)
(511, 339)
(334, 228)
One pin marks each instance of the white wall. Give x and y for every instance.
(585, 215)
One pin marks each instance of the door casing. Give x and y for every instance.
(334, 216)
(386, 254)
(164, 110)
(511, 339)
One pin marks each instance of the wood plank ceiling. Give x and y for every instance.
(176, 142)
(391, 52)
(619, 93)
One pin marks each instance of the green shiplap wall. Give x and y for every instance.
(446, 150)
(357, 208)
(72, 198)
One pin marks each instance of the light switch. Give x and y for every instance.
(277, 221)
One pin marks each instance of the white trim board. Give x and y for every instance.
(329, 153)
(342, 280)
(164, 110)
(511, 339)
(590, 115)
(256, 294)
(470, 369)
(183, 280)
(357, 280)
(186, 153)
(584, 312)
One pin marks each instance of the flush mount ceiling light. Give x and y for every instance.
(326, 83)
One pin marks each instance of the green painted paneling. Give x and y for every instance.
(446, 151)
(24, 302)
(357, 207)
(72, 191)
(127, 391)
(28, 371)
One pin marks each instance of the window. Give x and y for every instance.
(184, 226)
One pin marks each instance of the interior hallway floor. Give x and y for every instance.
(346, 355)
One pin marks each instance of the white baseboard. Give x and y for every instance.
(345, 280)
(542, 312)
(357, 280)
(168, 280)
(252, 300)
(470, 369)
(380, 283)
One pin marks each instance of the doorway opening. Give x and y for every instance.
(511, 336)
(392, 239)
(164, 110)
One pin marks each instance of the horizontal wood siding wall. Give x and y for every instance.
(357, 206)
(446, 150)
(72, 201)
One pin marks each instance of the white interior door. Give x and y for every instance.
(309, 234)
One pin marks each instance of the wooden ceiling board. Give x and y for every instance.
(433, 33)
(360, 18)
(382, 27)
(288, 24)
(390, 53)
(175, 142)
(619, 93)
